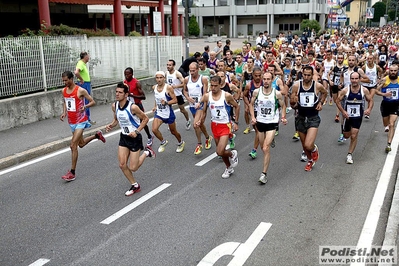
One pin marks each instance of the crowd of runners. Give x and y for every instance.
(280, 75)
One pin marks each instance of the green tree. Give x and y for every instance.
(193, 27)
(311, 23)
(379, 11)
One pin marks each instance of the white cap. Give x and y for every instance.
(160, 73)
(290, 46)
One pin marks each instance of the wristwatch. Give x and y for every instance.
(137, 132)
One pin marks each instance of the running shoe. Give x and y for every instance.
(336, 119)
(253, 154)
(330, 102)
(367, 116)
(387, 129)
(349, 159)
(232, 142)
(309, 166)
(296, 136)
(288, 109)
(228, 172)
(151, 152)
(341, 138)
(188, 124)
(150, 140)
(99, 135)
(233, 159)
(247, 130)
(162, 146)
(180, 147)
(208, 142)
(276, 134)
(133, 189)
(388, 148)
(263, 178)
(198, 149)
(315, 154)
(304, 158)
(92, 122)
(68, 176)
(273, 144)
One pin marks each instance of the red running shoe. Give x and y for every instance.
(99, 135)
(315, 154)
(69, 176)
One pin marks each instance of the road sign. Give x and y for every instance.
(157, 21)
(370, 12)
(341, 18)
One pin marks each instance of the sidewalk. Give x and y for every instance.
(30, 141)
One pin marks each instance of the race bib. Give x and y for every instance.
(353, 110)
(306, 99)
(70, 104)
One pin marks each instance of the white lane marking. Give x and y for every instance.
(373, 215)
(207, 159)
(39, 262)
(135, 204)
(48, 156)
(239, 251)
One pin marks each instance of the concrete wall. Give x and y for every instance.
(28, 109)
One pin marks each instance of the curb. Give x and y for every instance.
(44, 149)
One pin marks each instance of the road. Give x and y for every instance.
(185, 211)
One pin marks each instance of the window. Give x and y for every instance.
(290, 1)
(303, 1)
(287, 27)
(348, 7)
(347, 23)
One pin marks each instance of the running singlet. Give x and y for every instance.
(73, 106)
(267, 108)
(307, 100)
(230, 67)
(163, 111)
(347, 75)
(354, 103)
(371, 73)
(239, 70)
(212, 65)
(274, 84)
(172, 79)
(391, 87)
(327, 67)
(220, 110)
(336, 74)
(127, 121)
(133, 90)
(286, 73)
(195, 90)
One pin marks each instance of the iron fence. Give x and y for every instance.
(32, 64)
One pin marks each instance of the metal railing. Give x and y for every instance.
(33, 64)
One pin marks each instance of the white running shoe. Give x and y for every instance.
(234, 159)
(228, 172)
(304, 158)
(263, 178)
(349, 159)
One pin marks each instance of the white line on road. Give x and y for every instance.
(135, 204)
(373, 215)
(39, 262)
(207, 159)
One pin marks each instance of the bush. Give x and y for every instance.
(66, 30)
(237, 51)
(311, 24)
(193, 28)
(134, 34)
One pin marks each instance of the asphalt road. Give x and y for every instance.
(185, 211)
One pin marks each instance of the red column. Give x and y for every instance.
(161, 9)
(118, 18)
(44, 13)
(175, 23)
(181, 25)
(112, 22)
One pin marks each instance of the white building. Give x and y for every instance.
(249, 17)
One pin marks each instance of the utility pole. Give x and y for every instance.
(186, 19)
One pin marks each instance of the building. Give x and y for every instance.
(249, 17)
(356, 12)
(120, 16)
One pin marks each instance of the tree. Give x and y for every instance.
(193, 28)
(311, 24)
(379, 11)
